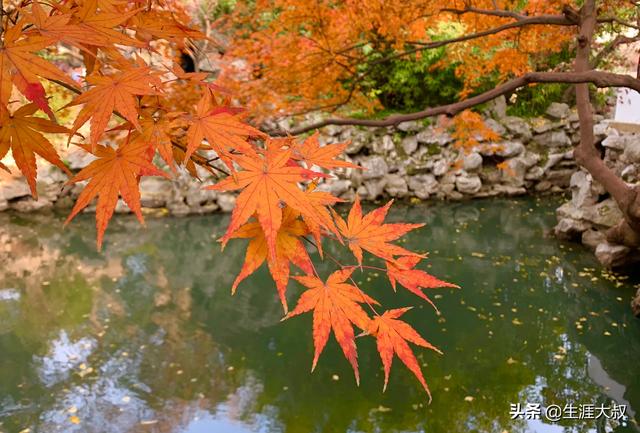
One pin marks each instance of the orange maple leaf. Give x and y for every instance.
(268, 183)
(370, 234)
(115, 173)
(392, 336)
(20, 66)
(154, 24)
(401, 270)
(289, 249)
(336, 306)
(221, 127)
(21, 132)
(87, 28)
(310, 152)
(116, 92)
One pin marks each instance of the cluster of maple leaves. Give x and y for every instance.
(300, 57)
(139, 105)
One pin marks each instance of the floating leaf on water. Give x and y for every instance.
(74, 419)
(382, 409)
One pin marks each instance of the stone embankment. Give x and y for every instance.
(413, 161)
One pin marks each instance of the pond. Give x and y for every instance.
(146, 337)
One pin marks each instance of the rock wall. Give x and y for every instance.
(413, 161)
(591, 211)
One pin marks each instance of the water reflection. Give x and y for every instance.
(145, 337)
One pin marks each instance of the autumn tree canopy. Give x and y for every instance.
(301, 58)
(140, 114)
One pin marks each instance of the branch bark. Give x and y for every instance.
(586, 154)
(598, 78)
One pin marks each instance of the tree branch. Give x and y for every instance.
(598, 78)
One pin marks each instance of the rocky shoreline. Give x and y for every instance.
(414, 161)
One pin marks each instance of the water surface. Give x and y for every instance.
(145, 336)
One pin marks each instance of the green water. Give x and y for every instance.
(145, 337)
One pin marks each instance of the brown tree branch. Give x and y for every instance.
(556, 20)
(586, 153)
(598, 78)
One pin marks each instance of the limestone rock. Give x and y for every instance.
(396, 186)
(605, 214)
(554, 158)
(472, 162)
(374, 167)
(558, 110)
(611, 255)
(14, 188)
(372, 189)
(155, 192)
(534, 173)
(509, 149)
(29, 204)
(495, 127)
(423, 185)
(632, 150)
(553, 139)
(541, 125)
(615, 142)
(518, 127)
(431, 136)
(440, 167)
(592, 238)
(498, 107)
(409, 144)
(383, 145)
(570, 229)
(336, 187)
(226, 202)
(581, 192)
(410, 126)
(468, 184)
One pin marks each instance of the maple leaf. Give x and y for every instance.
(115, 173)
(222, 128)
(289, 249)
(20, 66)
(336, 307)
(21, 132)
(84, 29)
(268, 183)
(156, 133)
(370, 234)
(310, 152)
(153, 24)
(392, 336)
(401, 270)
(116, 92)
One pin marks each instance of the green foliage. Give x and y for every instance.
(533, 101)
(414, 81)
